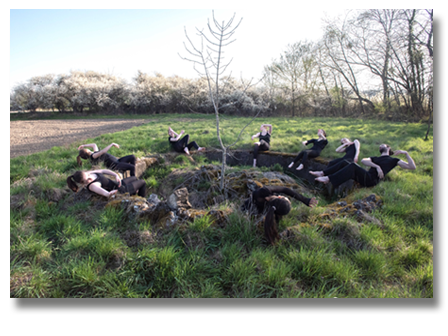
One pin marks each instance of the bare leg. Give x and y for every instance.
(323, 179)
(317, 173)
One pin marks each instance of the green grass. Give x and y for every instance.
(59, 249)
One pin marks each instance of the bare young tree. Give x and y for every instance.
(209, 61)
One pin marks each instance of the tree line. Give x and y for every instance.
(370, 63)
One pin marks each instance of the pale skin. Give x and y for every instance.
(96, 187)
(341, 149)
(265, 128)
(175, 137)
(321, 136)
(95, 149)
(410, 164)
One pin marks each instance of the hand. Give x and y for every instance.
(252, 137)
(117, 178)
(313, 202)
(304, 142)
(380, 173)
(355, 160)
(116, 145)
(112, 193)
(182, 132)
(80, 147)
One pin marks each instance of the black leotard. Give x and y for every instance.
(344, 171)
(350, 153)
(266, 137)
(179, 145)
(318, 145)
(349, 157)
(106, 183)
(111, 162)
(129, 185)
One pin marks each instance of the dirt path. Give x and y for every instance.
(28, 137)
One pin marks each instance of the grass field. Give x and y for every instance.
(63, 250)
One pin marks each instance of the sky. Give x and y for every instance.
(122, 41)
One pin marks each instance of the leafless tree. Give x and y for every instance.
(209, 61)
(338, 56)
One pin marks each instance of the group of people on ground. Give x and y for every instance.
(266, 199)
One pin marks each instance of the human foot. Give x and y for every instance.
(300, 167)
(292, 164)
(317, 173)
(323, 179)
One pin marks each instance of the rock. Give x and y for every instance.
(361, 216)
(179, 199)
(169, 220)
(153, 199)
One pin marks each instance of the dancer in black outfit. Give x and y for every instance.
(277, 206)
(379, 167)
(351, 150)
(313, 152)
(96, 182)
(182, 145)
(125, 163)
(265, 138)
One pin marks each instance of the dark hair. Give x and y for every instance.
(273, 217)
(73, 179)
(325, 134)
(83, 154)
(391, 152)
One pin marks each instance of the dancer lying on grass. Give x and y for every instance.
(265, 138)
(313, 152)
(277, 206)
(96, 182)
(351, 150)
(182, 145)
(379, 167)
(122, 164)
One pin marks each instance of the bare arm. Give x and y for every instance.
(406, 165)
(96, 188)
(341, 148)
(255, 135)
(177, 136)
(357, 147)
(104, 150)
(93, 146)
(368, 162)
(269, 126)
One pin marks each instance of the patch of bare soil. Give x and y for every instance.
(32, 136)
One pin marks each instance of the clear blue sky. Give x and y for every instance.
(121, 42)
